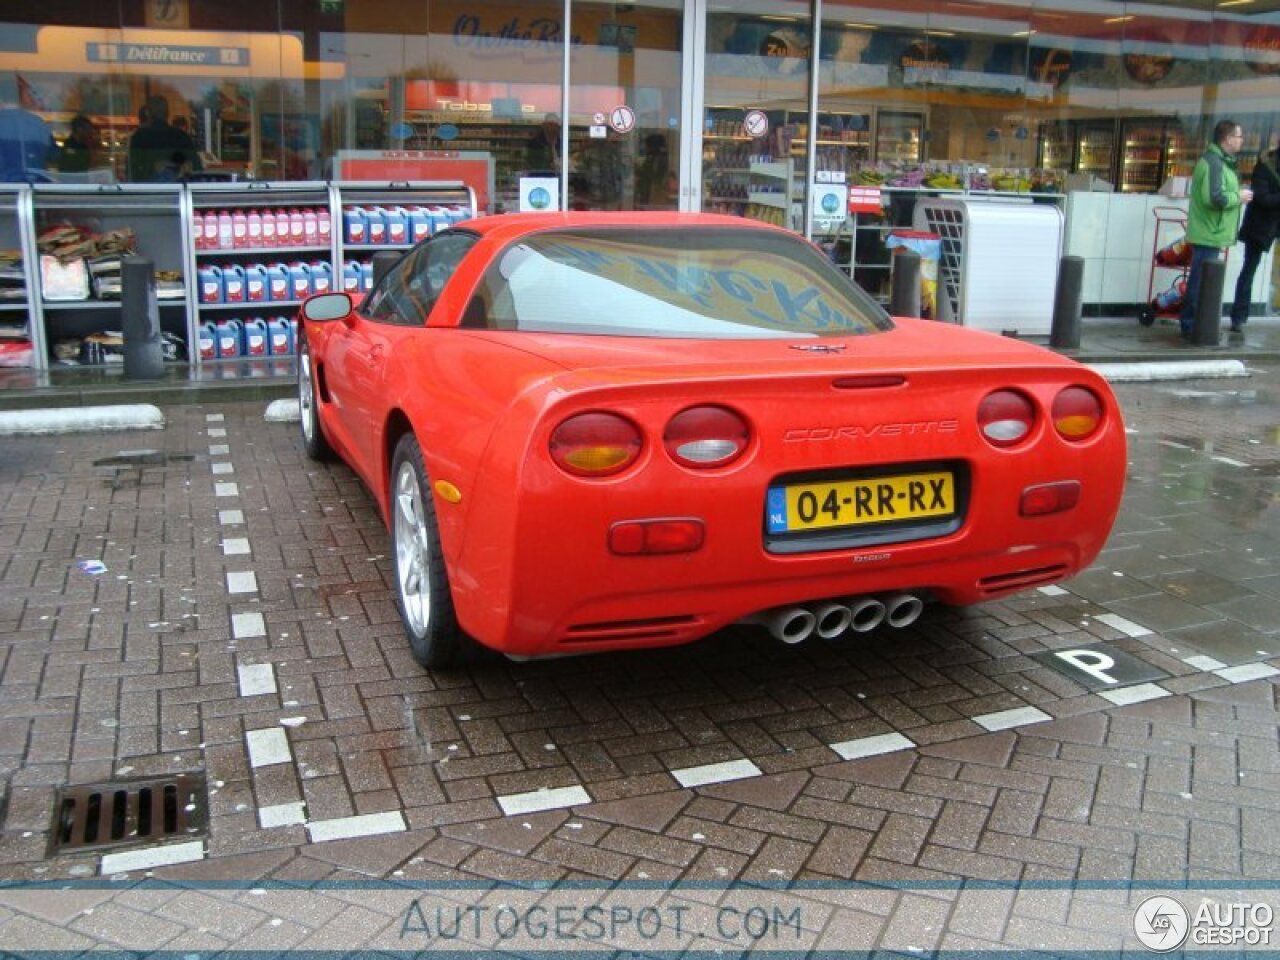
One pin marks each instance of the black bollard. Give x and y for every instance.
(1207, 323)
(383, 261)
(140, 320)
(1068, 303)
(904, 296)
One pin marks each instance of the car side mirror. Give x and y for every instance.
(327, 306)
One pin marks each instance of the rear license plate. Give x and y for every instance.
(864, 501)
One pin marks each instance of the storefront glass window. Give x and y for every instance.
(757, 109)
(990, 92)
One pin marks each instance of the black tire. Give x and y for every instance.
(313, 438)
(1146, 316)
(422, 582)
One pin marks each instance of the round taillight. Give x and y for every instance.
(1006, 417)
(595, 444)
(1077, 413)
(703, 437)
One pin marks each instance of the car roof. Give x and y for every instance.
(511, 225)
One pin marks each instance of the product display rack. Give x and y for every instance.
(152, 211)
(245, 297)
(772, 193)
(416, 209)
(16, 312)
(257, 250)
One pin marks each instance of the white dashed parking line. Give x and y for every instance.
(256, 679)
(1127, 627)
(872, 746)
(282, 815)
(267, 747)
(149, 857)
(1007, 719)
(1138, 693)
(711, 773)
(536, 800)
(365, 825)
(1246, 672)
(245, 625)
(242, 581)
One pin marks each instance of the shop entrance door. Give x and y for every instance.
(625, 105)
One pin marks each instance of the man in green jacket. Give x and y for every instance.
(1213, 213)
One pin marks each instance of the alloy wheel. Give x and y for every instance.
(413, 554)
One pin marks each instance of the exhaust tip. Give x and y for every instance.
(903, 609)
(788, 624)
(831, 620)
(793, 625)
(865, 614)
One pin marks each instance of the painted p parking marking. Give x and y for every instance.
(1099, 666)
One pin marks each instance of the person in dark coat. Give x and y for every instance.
(1258, 231)
(159, 152)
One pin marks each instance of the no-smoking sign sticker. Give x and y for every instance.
(622, 119)
(755, 123)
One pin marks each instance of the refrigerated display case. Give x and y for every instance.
(1095, 148)
(899, 136)
(1151, 151)
(1057, 146)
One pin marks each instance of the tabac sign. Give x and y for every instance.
(167, 54)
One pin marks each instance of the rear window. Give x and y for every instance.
(676, 282)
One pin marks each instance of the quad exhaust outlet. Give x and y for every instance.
(828, 619)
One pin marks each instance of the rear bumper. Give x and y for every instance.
(628, 602)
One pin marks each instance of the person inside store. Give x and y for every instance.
(26, 143)
(158, 151)
(1258, 231)
(542, 154)
(81, 148)
(1213, 211)
(653, 174)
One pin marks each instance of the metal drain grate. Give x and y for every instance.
(129, 812)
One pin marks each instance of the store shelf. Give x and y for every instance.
(154, 215)
(217, 252)
(248, 305)
(55, 306)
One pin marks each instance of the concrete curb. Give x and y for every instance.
(1170, 370)
(283, 411)
(133, 416)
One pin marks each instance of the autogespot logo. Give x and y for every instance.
(1161, 923)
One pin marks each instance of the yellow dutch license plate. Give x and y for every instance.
(867, 500)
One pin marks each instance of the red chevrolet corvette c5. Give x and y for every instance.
(596, 431)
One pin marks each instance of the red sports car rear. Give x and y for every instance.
(632, 431)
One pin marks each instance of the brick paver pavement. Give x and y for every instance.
(244, 626)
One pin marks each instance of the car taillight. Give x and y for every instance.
(706, 437)
(1077, 413)
(1005, 417)
(595, 444)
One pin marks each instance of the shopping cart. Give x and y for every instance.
(1170, 264)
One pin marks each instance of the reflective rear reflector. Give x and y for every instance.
(632, 537)
(1046, 498)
